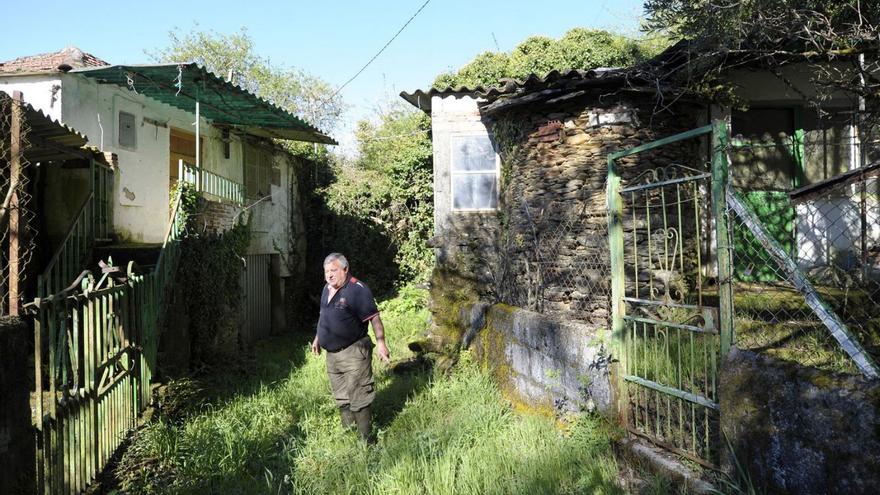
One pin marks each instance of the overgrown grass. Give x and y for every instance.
(275, 429)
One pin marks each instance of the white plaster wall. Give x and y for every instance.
(142, 193)
(41, 92)
(270, 218)
(829, 233)
(450, 116)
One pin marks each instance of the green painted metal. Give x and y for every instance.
(213, 185)
(668, 341)
(182, 85)
(95, 354)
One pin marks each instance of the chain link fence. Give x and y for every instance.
(15, 192)
(829, 238)
(558, 263)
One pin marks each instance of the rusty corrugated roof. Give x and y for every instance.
(63, 60)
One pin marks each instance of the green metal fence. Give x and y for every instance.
(94, 357)
(670, 293)
(92, 222)
(210, 183)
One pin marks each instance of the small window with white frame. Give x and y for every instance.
(475, 171)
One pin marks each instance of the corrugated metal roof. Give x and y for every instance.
(181, 85)
(510, 87)
(47, 139)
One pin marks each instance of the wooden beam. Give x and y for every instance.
(14, 231)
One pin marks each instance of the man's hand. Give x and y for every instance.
(382, 350)
(316, 349)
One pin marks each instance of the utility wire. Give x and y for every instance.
(346, 83)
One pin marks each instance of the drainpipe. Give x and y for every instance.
(198, 147)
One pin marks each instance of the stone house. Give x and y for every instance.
(148, 116)
(523, 274)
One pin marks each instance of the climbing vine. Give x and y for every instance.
(208, 280)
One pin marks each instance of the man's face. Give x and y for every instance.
(334, 274)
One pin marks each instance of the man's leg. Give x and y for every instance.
(351, 380)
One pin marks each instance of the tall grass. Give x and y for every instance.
(275, 429)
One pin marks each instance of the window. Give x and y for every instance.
(258, 171)
(127, 131)
(225, 139)
(475, 168)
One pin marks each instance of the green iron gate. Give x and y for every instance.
(670, 291)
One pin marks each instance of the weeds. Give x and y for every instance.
(276, 430)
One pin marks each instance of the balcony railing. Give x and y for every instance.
(210, 183)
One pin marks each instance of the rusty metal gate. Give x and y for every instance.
(670, 293)
(257, 297)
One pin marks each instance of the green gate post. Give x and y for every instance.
(722, 235)
(615, 244)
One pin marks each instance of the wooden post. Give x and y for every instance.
(14, 213)
(618, 282)
(722, 239)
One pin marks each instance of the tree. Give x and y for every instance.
(579, 48)
(390, 186)
(838, 39)
(233, 56)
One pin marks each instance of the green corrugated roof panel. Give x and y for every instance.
(222, 102)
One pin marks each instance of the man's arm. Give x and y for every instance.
(379, 332)
(316, 349)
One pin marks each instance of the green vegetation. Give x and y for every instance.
(233, 57)
(383, 201)
(270, 426)
(579, 48)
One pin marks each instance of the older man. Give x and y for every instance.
(347, 305)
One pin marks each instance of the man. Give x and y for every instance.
(347, 305)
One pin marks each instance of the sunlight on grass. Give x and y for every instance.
(437, 435)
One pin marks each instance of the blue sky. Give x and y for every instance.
(331, 39)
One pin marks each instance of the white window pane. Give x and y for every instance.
(474, 191)
(472, 153)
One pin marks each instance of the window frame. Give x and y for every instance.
(453, 173)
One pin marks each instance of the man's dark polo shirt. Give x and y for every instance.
(343, 319)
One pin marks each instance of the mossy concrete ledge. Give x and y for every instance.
(542, 362)
(800, 430)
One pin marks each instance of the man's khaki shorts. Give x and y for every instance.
(351, 375)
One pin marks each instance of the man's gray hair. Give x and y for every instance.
(336, 257)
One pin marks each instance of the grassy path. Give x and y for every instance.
(271, 427)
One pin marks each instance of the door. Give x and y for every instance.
(182, 146)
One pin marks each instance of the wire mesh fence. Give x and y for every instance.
(17, 210)
(829, 235)
(558, 263)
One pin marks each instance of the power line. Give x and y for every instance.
(380, 51)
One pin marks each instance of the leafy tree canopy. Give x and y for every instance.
(233, 56)
(579, 48)
(770, 33)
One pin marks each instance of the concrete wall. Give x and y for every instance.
(557, 365)
(800, 430)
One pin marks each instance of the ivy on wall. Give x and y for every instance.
(208, 277)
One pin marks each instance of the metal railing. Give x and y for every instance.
(210, 183)
(95, 356)
(91, 222)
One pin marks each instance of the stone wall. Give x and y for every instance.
(546, 248)
(16, 432)
(800, 430)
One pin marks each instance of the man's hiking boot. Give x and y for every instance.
(365, 425)
(348, 420)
